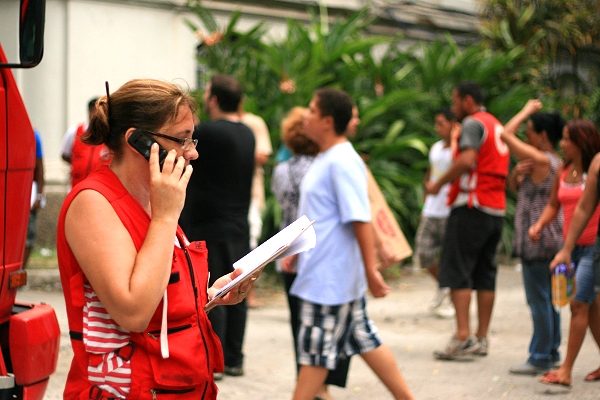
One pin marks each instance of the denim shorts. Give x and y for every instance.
(597, 264)
(583, 257)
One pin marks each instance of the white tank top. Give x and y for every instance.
(440, 160)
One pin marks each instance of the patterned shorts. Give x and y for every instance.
(328, 333)
(429, 240)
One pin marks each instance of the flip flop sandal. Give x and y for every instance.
(552, 379)
(593, 376)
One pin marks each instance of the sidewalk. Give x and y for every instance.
(411, 333)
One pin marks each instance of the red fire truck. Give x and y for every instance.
(29, 333)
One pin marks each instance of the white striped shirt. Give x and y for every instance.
(102, 338)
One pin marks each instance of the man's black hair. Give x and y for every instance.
(447, 113)
(227, 90)
(337, 104)
(552, 123)
(471, 88)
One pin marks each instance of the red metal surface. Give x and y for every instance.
(35, 391)
(34, 337)
(17, 161)
(33, 334)
(3, 162)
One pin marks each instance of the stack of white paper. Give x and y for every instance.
(297, 237)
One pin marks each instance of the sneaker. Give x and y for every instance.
(217, 376)
(234, 371)
(440, 295)
(483, 347)
(457, 348)
(527, 369)
(446, 310)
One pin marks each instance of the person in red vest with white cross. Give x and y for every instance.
(474, 228)
(84, 159)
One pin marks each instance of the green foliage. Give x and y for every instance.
(564, 35)
(397, 92)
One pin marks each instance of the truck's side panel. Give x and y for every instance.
(29, 333)
(20, 162)
(3, 166)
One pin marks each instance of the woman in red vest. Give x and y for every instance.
(135, 287)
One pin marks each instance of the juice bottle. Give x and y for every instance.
(563, 285)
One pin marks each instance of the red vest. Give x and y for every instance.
(195, 350)
(85, 159)
(483, 186)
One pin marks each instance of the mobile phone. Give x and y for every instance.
(142, 143)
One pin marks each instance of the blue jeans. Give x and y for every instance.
(543, 349)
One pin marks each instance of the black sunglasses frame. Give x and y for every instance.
(182, 142)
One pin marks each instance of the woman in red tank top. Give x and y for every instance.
(580, 143)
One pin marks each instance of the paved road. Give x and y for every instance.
(411, 333)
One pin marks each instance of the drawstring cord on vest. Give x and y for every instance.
(164, 341)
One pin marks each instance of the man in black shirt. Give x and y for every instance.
(217, 203)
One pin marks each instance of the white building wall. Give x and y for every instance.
(89, 42)
(43, 90)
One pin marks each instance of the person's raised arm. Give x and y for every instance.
(531, 107)
(129, 284)
(364, 235)
(549, 212)
(518, 148)
(585, 208)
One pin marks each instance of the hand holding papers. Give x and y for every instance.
(297, 237)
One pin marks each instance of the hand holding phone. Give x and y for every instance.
(142, 143)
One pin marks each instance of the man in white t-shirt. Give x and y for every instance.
(432, 227)
(333, 276)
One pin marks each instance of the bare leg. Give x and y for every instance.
(310, 380)
(485, 304)
(577, 329)
(323, 393)
(594, 323)
(382, 362)
(461, 298)
(594, 320)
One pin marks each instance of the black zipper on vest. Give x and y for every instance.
(176, 329)
(192, 276)
(155, 392)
